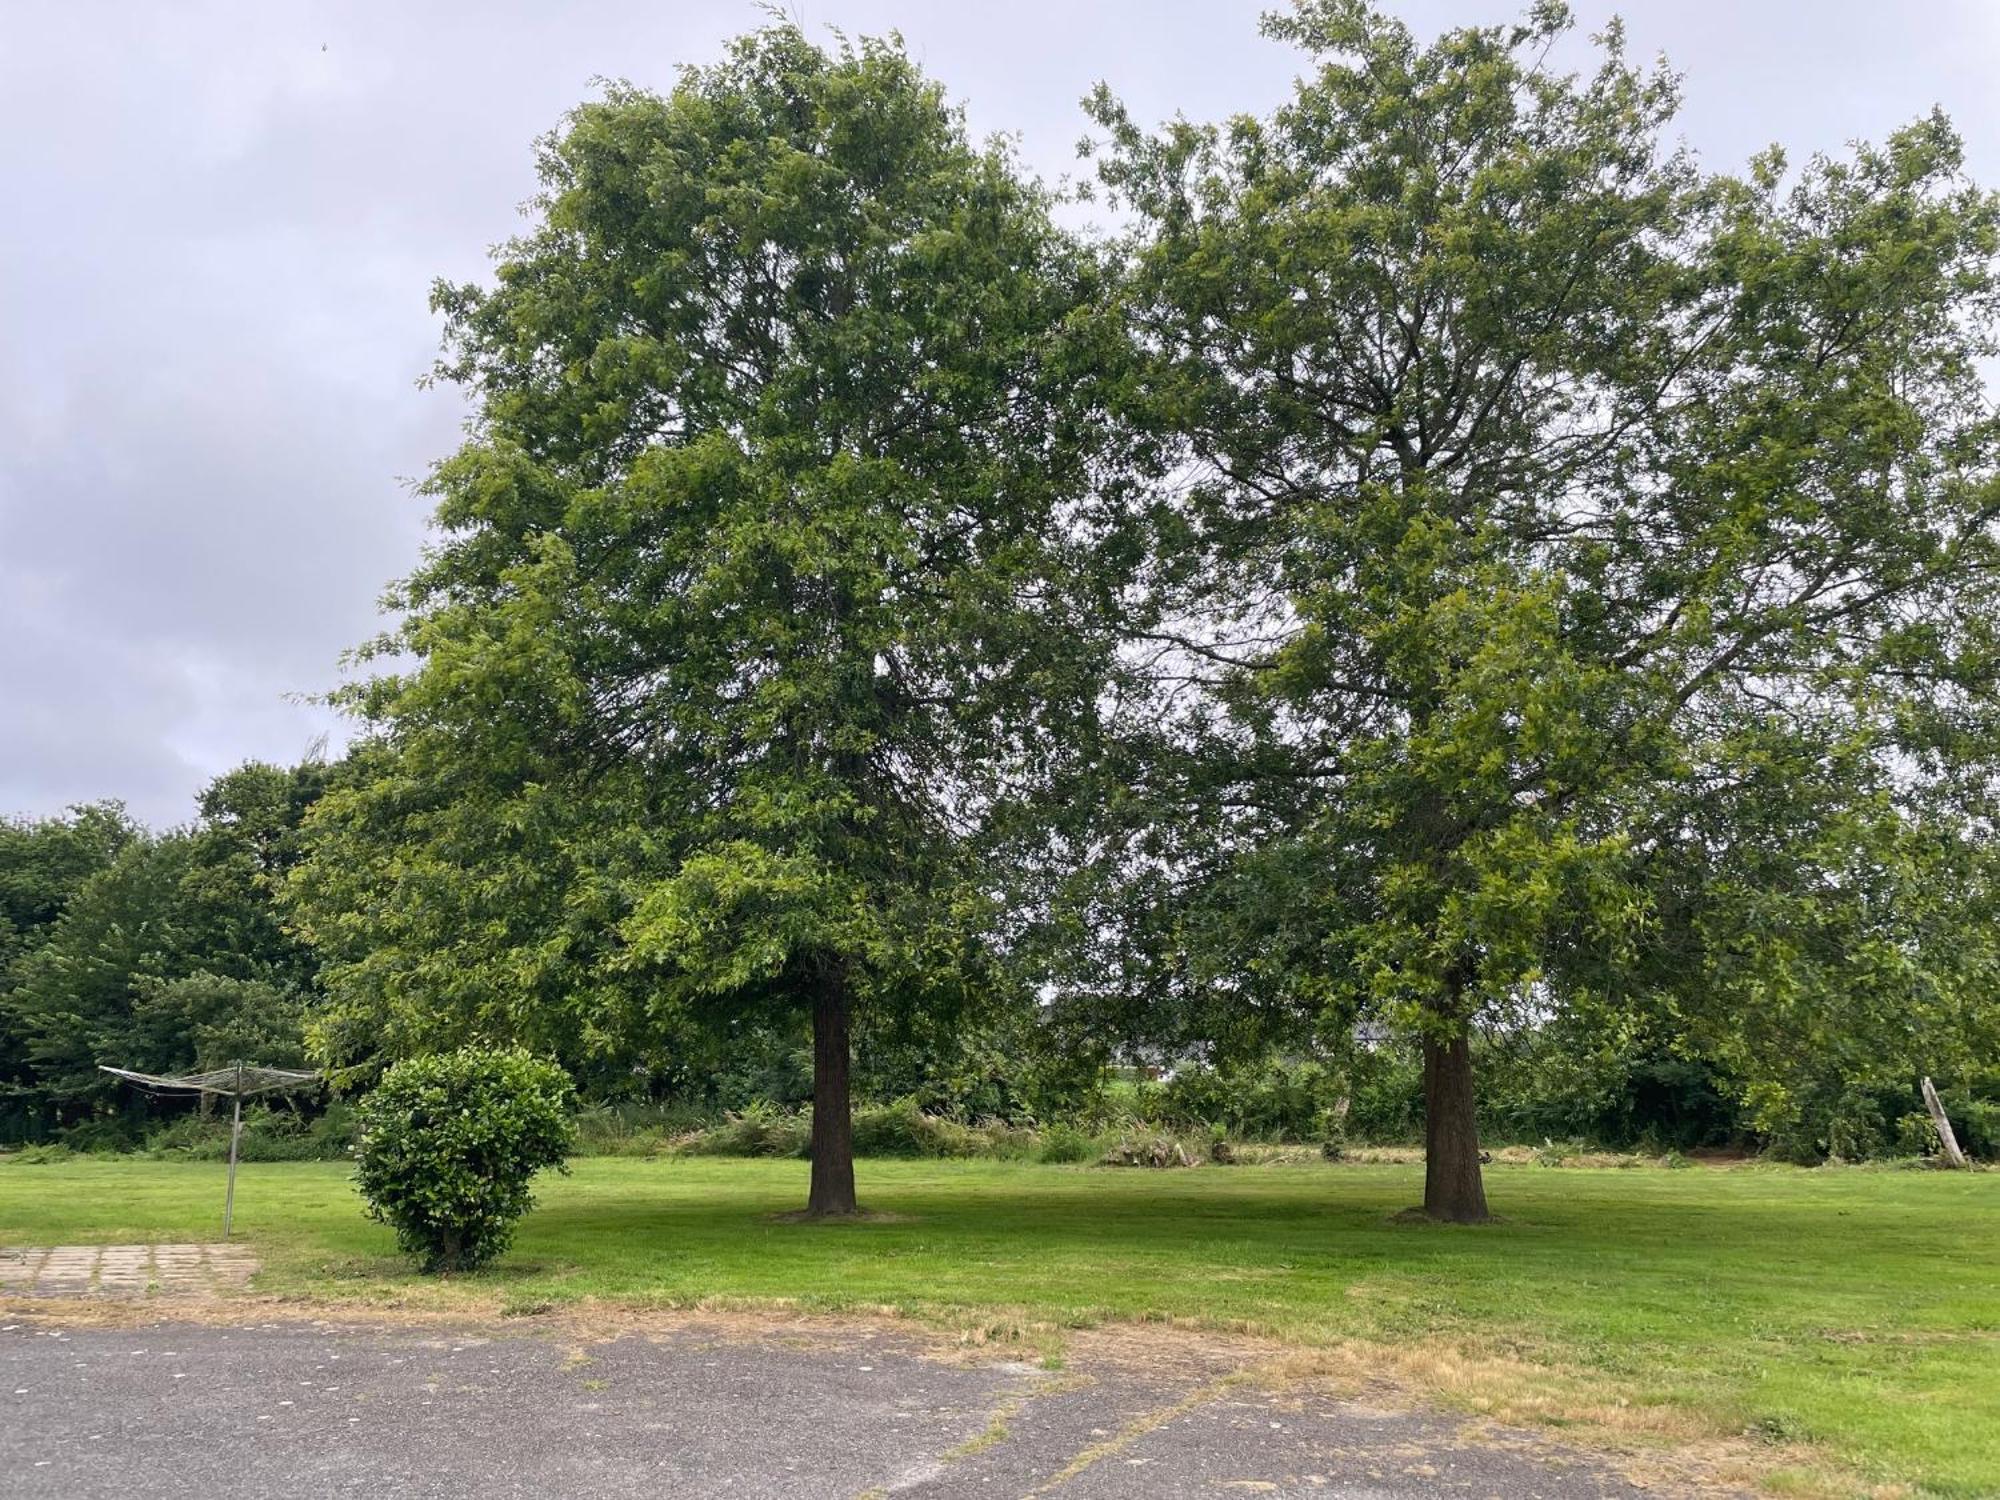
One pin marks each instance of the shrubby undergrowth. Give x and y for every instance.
(1539, 1088)
(1538, 1100)
(270, 1133)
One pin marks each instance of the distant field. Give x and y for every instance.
(1852, 1317)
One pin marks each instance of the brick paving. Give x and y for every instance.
(124, 1270)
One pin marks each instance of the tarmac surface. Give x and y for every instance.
(512, 1409)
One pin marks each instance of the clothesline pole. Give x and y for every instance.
(235, 1134)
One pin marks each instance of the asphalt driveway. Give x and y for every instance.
(513, 1410)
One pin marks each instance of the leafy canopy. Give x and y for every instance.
(760, 588)
(1576, 581)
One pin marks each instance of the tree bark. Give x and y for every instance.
(833, 1119)
(1453, 1188)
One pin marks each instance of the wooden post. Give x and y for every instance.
(1943, 1122)
(235, 1131)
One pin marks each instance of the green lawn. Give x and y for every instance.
(1857, 1311)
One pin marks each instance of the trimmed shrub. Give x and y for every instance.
(449, 1144)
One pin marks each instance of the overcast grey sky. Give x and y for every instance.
(219, 223)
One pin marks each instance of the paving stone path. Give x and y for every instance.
(124, 1270)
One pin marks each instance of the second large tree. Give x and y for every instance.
(1589, 561)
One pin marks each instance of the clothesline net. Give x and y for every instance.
(239, 1082)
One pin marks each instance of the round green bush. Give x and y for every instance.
(448, 1145)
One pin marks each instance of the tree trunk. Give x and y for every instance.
(833, 1119)
(1453, 1190)
(1942, 1121)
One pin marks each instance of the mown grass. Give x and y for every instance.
(1854, 1311)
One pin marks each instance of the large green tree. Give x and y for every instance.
(1577, 573)
(759, 589)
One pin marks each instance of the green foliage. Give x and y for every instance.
(1001, 1065)
(1457, 565)
(45, 861)
(760, 593)
(1063, 1142)
(903, 1128)
(42, 1155)
(1388, 1095)
(270, 1133)
(997, 1065)
(898, 1128)
(449, 1144)
(212, 1021)
(759, 1129)
(1274, 1101)
(630, 1128)
(1832, 1114)
(1611, 1084)
(157, 952)
(74, 998)
(248, 837)
(1976, 1121)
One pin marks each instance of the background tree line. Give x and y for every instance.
(163, 952)
(1450, 571)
